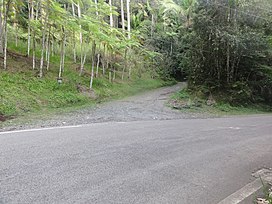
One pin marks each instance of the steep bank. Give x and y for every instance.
(22, 92)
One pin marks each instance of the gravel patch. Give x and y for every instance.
(151, 105)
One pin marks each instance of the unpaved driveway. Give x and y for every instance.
(151, 105)
(155, 156)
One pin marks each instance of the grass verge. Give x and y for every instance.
(188, 101)
(23, 94)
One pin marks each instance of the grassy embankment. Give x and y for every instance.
(189, 101)
(23, 93)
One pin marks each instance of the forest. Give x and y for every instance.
(61, 52)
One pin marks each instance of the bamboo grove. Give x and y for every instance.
(87, 30)
(216, 45)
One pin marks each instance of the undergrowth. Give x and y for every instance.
(21, 91)
(206, 102)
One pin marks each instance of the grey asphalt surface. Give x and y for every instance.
(194, 161)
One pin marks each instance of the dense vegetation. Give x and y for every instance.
(222, 47)
(61, 53)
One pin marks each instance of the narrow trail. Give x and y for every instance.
(151, 105)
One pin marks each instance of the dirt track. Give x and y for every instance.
(151, 105)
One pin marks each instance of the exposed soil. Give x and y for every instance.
(2, 118)
(18, 62)
(151, 105)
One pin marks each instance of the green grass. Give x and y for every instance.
(188, 101)
(23, 93)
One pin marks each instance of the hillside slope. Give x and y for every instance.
(22, 91)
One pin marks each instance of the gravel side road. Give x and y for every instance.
(147, 106)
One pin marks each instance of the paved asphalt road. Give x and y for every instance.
(194, 161)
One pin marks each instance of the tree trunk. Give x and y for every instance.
(62, 54)
(15, 25)
(228, 63)
(64, 50)
(122, 15)
(6, 12)
(42, 55)
(96, 8)
(34, 50)
(93, 64)
(30, 18)
(104, 61)
(125, 66)
(97, 65)
(82, 63)
(48, 58)
(129, 73)
(52, 48)
(5, 43)
(111, 17)
(79, 16)
(128, 19)
(1, 28)
(98, 55)
(60, 66)
(37, 10)
(152, 25)
(34, 16)
(74, 36)
(129, 69)
(74, 48)
(44, 18)
(48, 49)
(114, 74)
(82, 52)
(103, 68)
(109, 67)
(110, 76)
